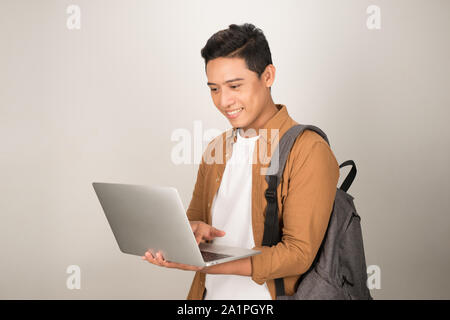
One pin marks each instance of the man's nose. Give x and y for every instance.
(226, 99)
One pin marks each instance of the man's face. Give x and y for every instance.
(237, 92)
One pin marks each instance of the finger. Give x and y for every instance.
(155, 259)
(160, 258)
(149, 251)
(215, 233)
(148, 257)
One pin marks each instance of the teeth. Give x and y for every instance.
(235, 111)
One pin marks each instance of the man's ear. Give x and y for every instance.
(268, 76)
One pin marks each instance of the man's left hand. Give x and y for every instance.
(160, 261)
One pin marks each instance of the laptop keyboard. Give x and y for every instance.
(211, 256)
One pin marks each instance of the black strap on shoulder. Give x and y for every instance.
(272, 232)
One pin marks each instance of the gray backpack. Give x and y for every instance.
(339, 268)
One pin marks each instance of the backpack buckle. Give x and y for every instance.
(270, 195)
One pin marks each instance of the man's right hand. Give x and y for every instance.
(203, 231)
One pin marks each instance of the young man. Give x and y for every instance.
(228, 203)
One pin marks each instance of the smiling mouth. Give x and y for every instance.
(234, 112)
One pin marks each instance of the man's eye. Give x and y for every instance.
(235, 86)
(213, 89)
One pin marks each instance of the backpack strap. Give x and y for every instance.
(350, 177)
(272, 234)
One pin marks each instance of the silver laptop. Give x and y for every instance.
(153, 218)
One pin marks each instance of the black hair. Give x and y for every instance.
(243, 41)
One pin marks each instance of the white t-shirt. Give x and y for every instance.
(231, 212)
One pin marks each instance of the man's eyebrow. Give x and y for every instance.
(228, 81)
